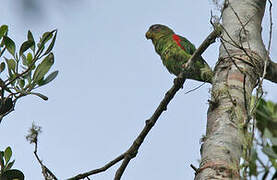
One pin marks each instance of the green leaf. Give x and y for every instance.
(270, 106)
(21, 83)
(252, 163)
(267, 134)
(11, 64)
(45, 37)
(10, 45)
(9, 165)
(49, 78)
(275, 108)
(25, 46)
(31, 38)
(24, 60)
(253, 169)
(273, 162)
(12, 174)
(50, 47)
(269, 152)
(262, 107)
(2, 67)
(45, 98)
(43, 67)
(8, 154)
(28, 76)
(274, 147)
(6, 106)
(266, 117)
(29, 58)
(3, 30)
(3, 85)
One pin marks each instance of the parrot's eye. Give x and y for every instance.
(155, 27)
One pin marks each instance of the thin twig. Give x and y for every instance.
(235, 44)
(267, 60)
(99, 170)
(195, 88)
(45, 170)
(205, 44)
(229, 55)
(270, 27)
(194, 168)
(2, 52)
(242, 25)
(245, 33)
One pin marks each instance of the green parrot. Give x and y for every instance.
(175, 51)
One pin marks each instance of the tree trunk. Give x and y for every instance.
(240, 64)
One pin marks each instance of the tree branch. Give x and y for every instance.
(133, 150)
(32, 137)
(45, 171)
(99, 170)
(204, 45)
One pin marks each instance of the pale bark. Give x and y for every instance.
(236, 75)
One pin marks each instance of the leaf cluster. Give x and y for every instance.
(265, 144)
(23, 71)
(6, 164)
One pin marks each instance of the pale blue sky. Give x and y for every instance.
(110, 82)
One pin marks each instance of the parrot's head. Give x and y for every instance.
(157, 31)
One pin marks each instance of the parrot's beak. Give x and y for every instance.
(148, 35)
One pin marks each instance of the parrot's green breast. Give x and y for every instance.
(171, 54)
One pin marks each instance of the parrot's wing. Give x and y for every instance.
(174, 57)
(187, 45)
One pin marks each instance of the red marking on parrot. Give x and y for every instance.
(177, 39)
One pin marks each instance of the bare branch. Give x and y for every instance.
(99, 170)
(45, 171)
(205, 44)
(32, 137)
